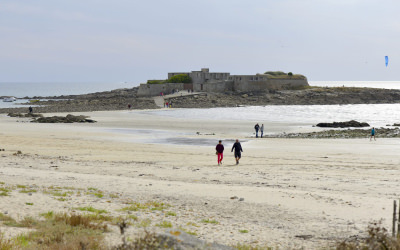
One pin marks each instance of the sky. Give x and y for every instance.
(133, 41)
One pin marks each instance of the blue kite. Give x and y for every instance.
(386, 60)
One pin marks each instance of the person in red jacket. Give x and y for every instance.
(220, 152)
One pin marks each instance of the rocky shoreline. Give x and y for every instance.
(120, 99)
(342, 134)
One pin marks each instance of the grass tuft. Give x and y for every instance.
(209, 221)
(92, 209)
(164, 224)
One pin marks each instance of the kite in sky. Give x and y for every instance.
(386, 60)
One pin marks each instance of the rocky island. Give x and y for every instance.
(120, 99)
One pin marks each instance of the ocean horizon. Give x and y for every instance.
(45, 89)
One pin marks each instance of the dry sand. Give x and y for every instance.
(297, 192)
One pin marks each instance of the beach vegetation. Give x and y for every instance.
(61, 199)
(188, 231)
(181, 78)
(101, 218)
(250, 247)
(208, 221)
(244, 231)
(63, 231)
(6, 219)
(170, 213)
(6, 244)
(2, 183)
(378, 238)
(113, 196)
(95, 192)
(29, 203)
(92, 209)
(72, 188)
(144, 223)
(192, 224)
(28, 221)
(164, 224)
(21, 186)
(148, 240)
(4, 191)
(152, 205)
(58, 192)
(21, 240)
(133, 217)
(48, 214)
(25, 222)
(25, 191)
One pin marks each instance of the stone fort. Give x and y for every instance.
(220, 82)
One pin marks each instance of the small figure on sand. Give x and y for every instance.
(129, 106)
(262, 130)
(30, 109)
(372, 134)
(257, 127)
(220, 152)
(238, 149)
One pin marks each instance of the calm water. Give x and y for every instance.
(20, 90)
(367, 84)
(375, 114)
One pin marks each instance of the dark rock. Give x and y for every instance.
(61, 119)
(348, 124)
(304, 237)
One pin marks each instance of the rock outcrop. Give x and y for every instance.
(32, 115)
(61, 119)
(349, 124)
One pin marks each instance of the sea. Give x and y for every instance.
(375, 114)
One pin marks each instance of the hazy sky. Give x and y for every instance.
(132, 41)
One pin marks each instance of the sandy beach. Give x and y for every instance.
(286, 193)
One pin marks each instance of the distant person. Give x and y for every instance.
(30, 109)
(129, 106)
(257, 127)
(238, 149)
(220, 152)
(262, 130)
(372, 134)
(166, 104)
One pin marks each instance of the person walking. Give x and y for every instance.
(257, 127)
(220, 152)
(372, 134)
(238, 149)
(30, 109)
(262, 130)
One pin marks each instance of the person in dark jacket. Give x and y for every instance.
(238, 150)
(220, 152)
(257, 127)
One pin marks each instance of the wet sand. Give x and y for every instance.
(296, 192)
